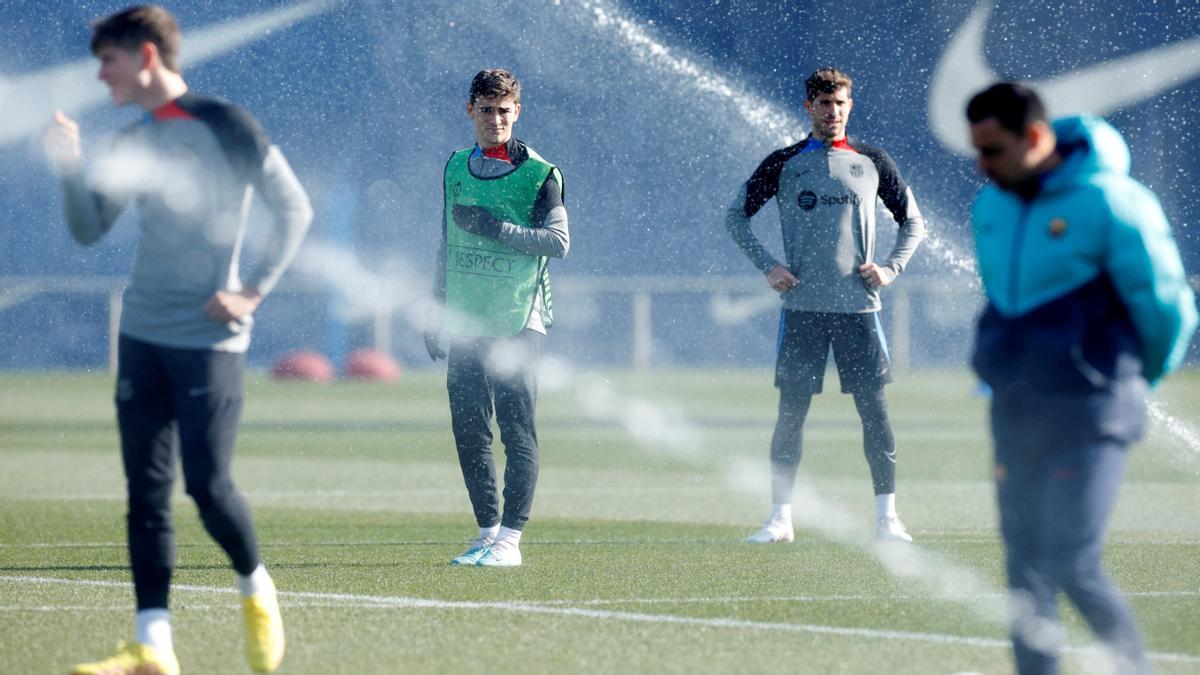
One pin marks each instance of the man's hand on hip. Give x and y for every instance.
(875, 276)
(225, 306)
(781, 279)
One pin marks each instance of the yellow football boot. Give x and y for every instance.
(264, 631)
(131, 659)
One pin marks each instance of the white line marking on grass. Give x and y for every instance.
(710, 622)
(882, 597)
(76, 497)
(97, 544)
(206, 544)
(104, 583)
(746, 598)
(582, 602)
(406, 542)
(342, 494)
(943, 536)
(348, 600)
(969, 538)
(63, 608)
(97, 608)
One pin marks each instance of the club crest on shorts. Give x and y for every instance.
(457, 189)
(1058, 227)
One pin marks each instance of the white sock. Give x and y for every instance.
(258, 582)
(489, 532)
(154, 629)
(508, 535)
(885, 506)
(781, 513)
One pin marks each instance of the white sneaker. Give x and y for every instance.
(773, 531)
(889, 528)
(474, 553)
(503, 553)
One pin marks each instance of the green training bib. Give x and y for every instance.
(490, 286)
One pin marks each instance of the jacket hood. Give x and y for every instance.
(1089, 146)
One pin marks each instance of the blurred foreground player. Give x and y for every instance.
(1087, 304)
(190, 166)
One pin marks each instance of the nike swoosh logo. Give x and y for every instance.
(1103, 88)
(726, 311)
(73, 87)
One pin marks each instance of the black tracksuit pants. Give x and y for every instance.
(186, 402)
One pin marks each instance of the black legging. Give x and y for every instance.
(787, 443)
(183, 402)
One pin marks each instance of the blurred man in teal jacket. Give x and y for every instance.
(1087, 307)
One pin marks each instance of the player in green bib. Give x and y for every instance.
(503, 219)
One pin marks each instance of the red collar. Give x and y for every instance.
(171, 111)
(498, 152)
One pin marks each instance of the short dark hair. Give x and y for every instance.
(130, 28)
(495, 83)
(1014, 105)
(826, 81)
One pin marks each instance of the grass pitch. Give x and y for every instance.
(634, 561)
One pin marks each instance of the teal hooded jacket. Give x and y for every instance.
(1084, 281)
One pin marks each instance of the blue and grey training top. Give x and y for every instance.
(191, 167)
(826, 193)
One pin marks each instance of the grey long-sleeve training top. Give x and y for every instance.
(191, 167)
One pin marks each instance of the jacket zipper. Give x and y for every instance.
(1015, 267)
